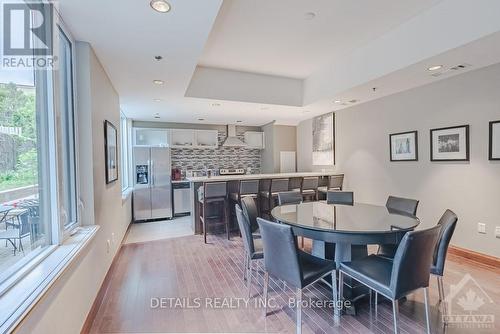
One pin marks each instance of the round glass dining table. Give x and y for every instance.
(357, 224)
(342, 232)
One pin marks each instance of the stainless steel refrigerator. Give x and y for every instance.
(152, 183)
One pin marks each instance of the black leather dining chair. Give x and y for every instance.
(253, 247)
(403, 205)
(250, 211)
(398, 205)
(408, 272)
(340, 197)
(283, 260)
(448, 222)
(289, 197)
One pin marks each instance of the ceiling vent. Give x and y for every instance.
(459, 67)
(456, 68)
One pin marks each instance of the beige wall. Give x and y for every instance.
(65, 307)
(304, 149)
(267, 154)
(471, 189)
(278, 138)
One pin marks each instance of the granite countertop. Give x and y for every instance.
(257, 176)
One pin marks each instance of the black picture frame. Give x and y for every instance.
(110, 152)
(490, 155)
(433, 132)
(415, 148)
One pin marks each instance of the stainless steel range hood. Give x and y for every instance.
(231, 139)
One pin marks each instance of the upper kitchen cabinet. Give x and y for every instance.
(254, 139)
(207, 138)
(182, 138)
(151, 137)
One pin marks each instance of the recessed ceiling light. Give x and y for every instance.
(201, 119)
(306, 111)
(215, 104)
(239, 121)
(353, 101)
(157, 100)
(158, 82)
(435, 67)
(309, 16)
(264, 108)
(160, 6)
(337, 101)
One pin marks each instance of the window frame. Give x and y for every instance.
(124, 152)
(44, 83)
(65, 231)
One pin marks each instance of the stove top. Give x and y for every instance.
(231, 171)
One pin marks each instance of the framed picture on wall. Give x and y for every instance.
(450, 144)
(323, 129)
(404, 146)
(495, 140)
(111, 151)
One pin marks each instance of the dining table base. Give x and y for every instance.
(344, 252)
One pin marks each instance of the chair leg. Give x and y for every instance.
(376, 303)
(299, 312)
(341, 292)
(426, 301)
(249, 276)
(204, 223)
(226, 220)
(395, 313)
(335, 296)
(439, 282)
(442, 298)
(266, 283)
(245, 266)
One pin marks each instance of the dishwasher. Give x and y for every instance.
(182, 198)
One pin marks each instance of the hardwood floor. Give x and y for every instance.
(187, 269)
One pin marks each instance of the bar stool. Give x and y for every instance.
(214, 194)
(246, 188)
(309, 189)
(269, 197)
(295, 184)
(335, 182)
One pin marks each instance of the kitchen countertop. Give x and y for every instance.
(257, 176)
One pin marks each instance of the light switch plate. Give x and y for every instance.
(481, 228)
(497, 232)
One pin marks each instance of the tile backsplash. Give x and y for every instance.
(222, 157)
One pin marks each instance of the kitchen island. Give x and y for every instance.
(232, 180)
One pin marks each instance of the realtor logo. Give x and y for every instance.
(466, 303)
(27, 29)
(27, 36)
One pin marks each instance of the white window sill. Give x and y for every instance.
(19, 299)
(126, 193)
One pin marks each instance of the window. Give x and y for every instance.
(125, 156)
(38, 175)
(67, 161)
(25, 177)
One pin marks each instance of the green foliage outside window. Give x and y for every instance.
(17, 110)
